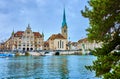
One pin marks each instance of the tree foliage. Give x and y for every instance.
(104, 17)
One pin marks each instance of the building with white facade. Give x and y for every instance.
(57, 42)
(85, 45)
(25, 40)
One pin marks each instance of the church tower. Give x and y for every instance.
(64, 30)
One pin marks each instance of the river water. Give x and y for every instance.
(46, 67)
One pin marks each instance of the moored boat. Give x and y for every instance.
(7, 55)
(49, 53)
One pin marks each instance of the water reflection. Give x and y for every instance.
(44, 67)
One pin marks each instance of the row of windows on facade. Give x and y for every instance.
(28, 45)
(28, 37)
(28, 42)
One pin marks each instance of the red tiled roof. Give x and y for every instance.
(18, 33)
(46, 43)
(37, 34)
(56, 36)
(83, 40)
(74, 43)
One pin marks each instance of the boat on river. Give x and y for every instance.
(6, 55)
(49, 53)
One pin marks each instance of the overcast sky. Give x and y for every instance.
(43, 16)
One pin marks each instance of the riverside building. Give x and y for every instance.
(28, 40)
(86, 45)
(59, 41)
(25, 41)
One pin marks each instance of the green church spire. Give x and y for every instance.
(12, 32)
(42, 34)
(64, 19)
(64, 28)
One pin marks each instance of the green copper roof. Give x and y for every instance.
(13, 32)
(64, 19)
(42, 34)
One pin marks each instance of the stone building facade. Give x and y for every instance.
(85, 45)
(57, 42)
(25, 41)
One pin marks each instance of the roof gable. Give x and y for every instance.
(83, 40)
(37, 34)
(56, 36)
(19, 34)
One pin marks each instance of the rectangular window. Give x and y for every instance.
(58, 44)
(62, 44)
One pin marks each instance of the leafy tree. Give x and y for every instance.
(104, 17)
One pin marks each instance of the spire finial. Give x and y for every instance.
(64, 16)
(28, 26)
